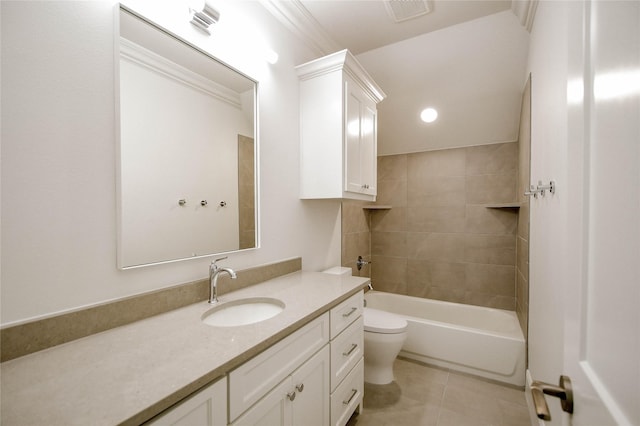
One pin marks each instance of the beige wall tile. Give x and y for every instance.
(494, 188)
(438, 274)
(354, 217)
(483, 220)
(436, 219)
(446, 162)
(492, 159)
(454, 248)
(490, 300)
(354, 245)
(435, 246)
(392, 167)
(437, 191)
(393, 192)
(447, 294)
(393, 220)
(492, 249)
(490, 279)
(392, 244)
(523, 220)
(390, 274)
(523, 257)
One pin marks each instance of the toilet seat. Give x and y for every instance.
(377, 321)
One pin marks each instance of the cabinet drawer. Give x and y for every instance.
(347, 396)
(346, 312)
(346, 351)
(253, 379)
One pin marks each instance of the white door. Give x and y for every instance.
(589, 231)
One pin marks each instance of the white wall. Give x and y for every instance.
(470, 72)
(58, 153)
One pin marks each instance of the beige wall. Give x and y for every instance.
(440, 239)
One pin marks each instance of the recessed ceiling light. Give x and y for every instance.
(429, 115)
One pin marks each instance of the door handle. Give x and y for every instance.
(562, 391)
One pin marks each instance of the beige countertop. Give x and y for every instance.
(131, 373)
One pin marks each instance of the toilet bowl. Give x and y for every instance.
(384, 335)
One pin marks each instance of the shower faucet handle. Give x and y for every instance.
(361, 262)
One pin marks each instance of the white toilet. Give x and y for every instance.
(384, 335)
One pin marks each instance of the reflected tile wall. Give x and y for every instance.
(440, 240)
(246, 193)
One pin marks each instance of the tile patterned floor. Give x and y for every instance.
(426, 396)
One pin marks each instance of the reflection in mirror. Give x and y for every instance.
(187, 152)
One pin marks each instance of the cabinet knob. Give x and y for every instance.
(291, 396)
(300, 387)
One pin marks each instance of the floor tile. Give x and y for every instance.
(427, 396)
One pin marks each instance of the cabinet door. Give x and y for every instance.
(208, 407)
(311, 406)
(272, 410)
(253, 379)
(369, 148)
(360, 141)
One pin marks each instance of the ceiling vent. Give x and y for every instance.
(402, 10)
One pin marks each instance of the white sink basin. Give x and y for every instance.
(243, 312)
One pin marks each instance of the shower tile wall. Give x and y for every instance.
(440, 240)
(356, 236)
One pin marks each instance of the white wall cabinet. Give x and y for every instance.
(207, 407)
(338, 129)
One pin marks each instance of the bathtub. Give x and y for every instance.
(471, 339)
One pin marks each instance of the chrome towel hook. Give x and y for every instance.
(551, 187)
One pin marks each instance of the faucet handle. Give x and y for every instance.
(214, 267)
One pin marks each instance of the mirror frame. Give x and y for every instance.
(120, 8)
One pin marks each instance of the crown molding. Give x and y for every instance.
(295, 17)
(525, 10)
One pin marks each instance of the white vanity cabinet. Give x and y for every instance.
(289, 383)
(300, 399)
(347, 365)
(208, 407)
(313, 377)
(338, 129)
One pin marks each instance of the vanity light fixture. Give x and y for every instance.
(204, 19)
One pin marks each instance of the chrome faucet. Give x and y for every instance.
(214, 272)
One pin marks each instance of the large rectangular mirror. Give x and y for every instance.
(187, 149)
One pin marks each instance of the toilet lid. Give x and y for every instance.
(378, 321)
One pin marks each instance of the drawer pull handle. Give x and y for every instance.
(291, 396)
(350, 351)
(353, 394)
(348, 314)
(300, 387)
